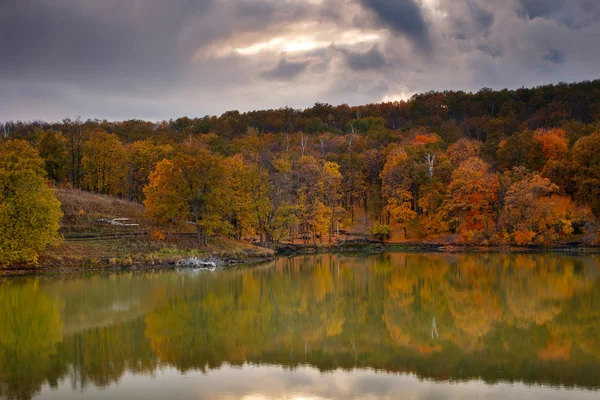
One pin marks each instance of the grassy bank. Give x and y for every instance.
(93, 242)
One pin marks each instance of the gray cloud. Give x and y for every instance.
(573, 13)
(480, 15)
(494, 51)
(373, 59)
(541, 8)
(555, 56)
(404, 17)
(286, 70)
(152, 59)
(95, 42)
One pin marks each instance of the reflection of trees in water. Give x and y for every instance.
(30, 328)
(377, 311)
(510, 317)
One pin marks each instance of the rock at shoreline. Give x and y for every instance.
(197, 263)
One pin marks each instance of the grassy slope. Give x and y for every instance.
(90, 243)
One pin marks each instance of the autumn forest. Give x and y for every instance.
(511, 167)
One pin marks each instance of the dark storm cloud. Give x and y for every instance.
(404, 17)
(373, 59)
(286, 70)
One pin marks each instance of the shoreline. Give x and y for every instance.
(69, 265)
(376, 247)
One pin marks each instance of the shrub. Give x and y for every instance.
(381, 232)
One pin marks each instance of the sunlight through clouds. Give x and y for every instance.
(207, 56)
(308, 43)
(402, 96)
(297, 42)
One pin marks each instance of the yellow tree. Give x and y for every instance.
(29, 211)
(283, 218)
(399, 208)
(332, 195)
(104, 161)
(320, 218)
(309, 188)
(319, 193)
(190, 189)
(396, 190)
(142, 157)
(250, 188)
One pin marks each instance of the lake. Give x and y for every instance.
(411, 326)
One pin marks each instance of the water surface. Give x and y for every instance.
(416, 326)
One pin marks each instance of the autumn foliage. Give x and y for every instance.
(471, 203)
(29, 211)
(511, 167)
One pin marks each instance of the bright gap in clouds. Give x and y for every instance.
(402, 96)
(435, 8)
(304, 43)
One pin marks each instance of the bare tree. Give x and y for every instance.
(350, 139)
(322, 141)
(287, 142)
(434, 331)
(430, 160)
(6, 129)
(303, 143)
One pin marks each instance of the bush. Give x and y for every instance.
(381, 232)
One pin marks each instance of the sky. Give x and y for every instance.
(159, 59)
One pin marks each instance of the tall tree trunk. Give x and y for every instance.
(199, 234)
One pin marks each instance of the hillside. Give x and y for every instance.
(491, 169)
(90, 241)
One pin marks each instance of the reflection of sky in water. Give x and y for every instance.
(305, 383)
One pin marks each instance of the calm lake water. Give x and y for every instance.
(411, 326)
